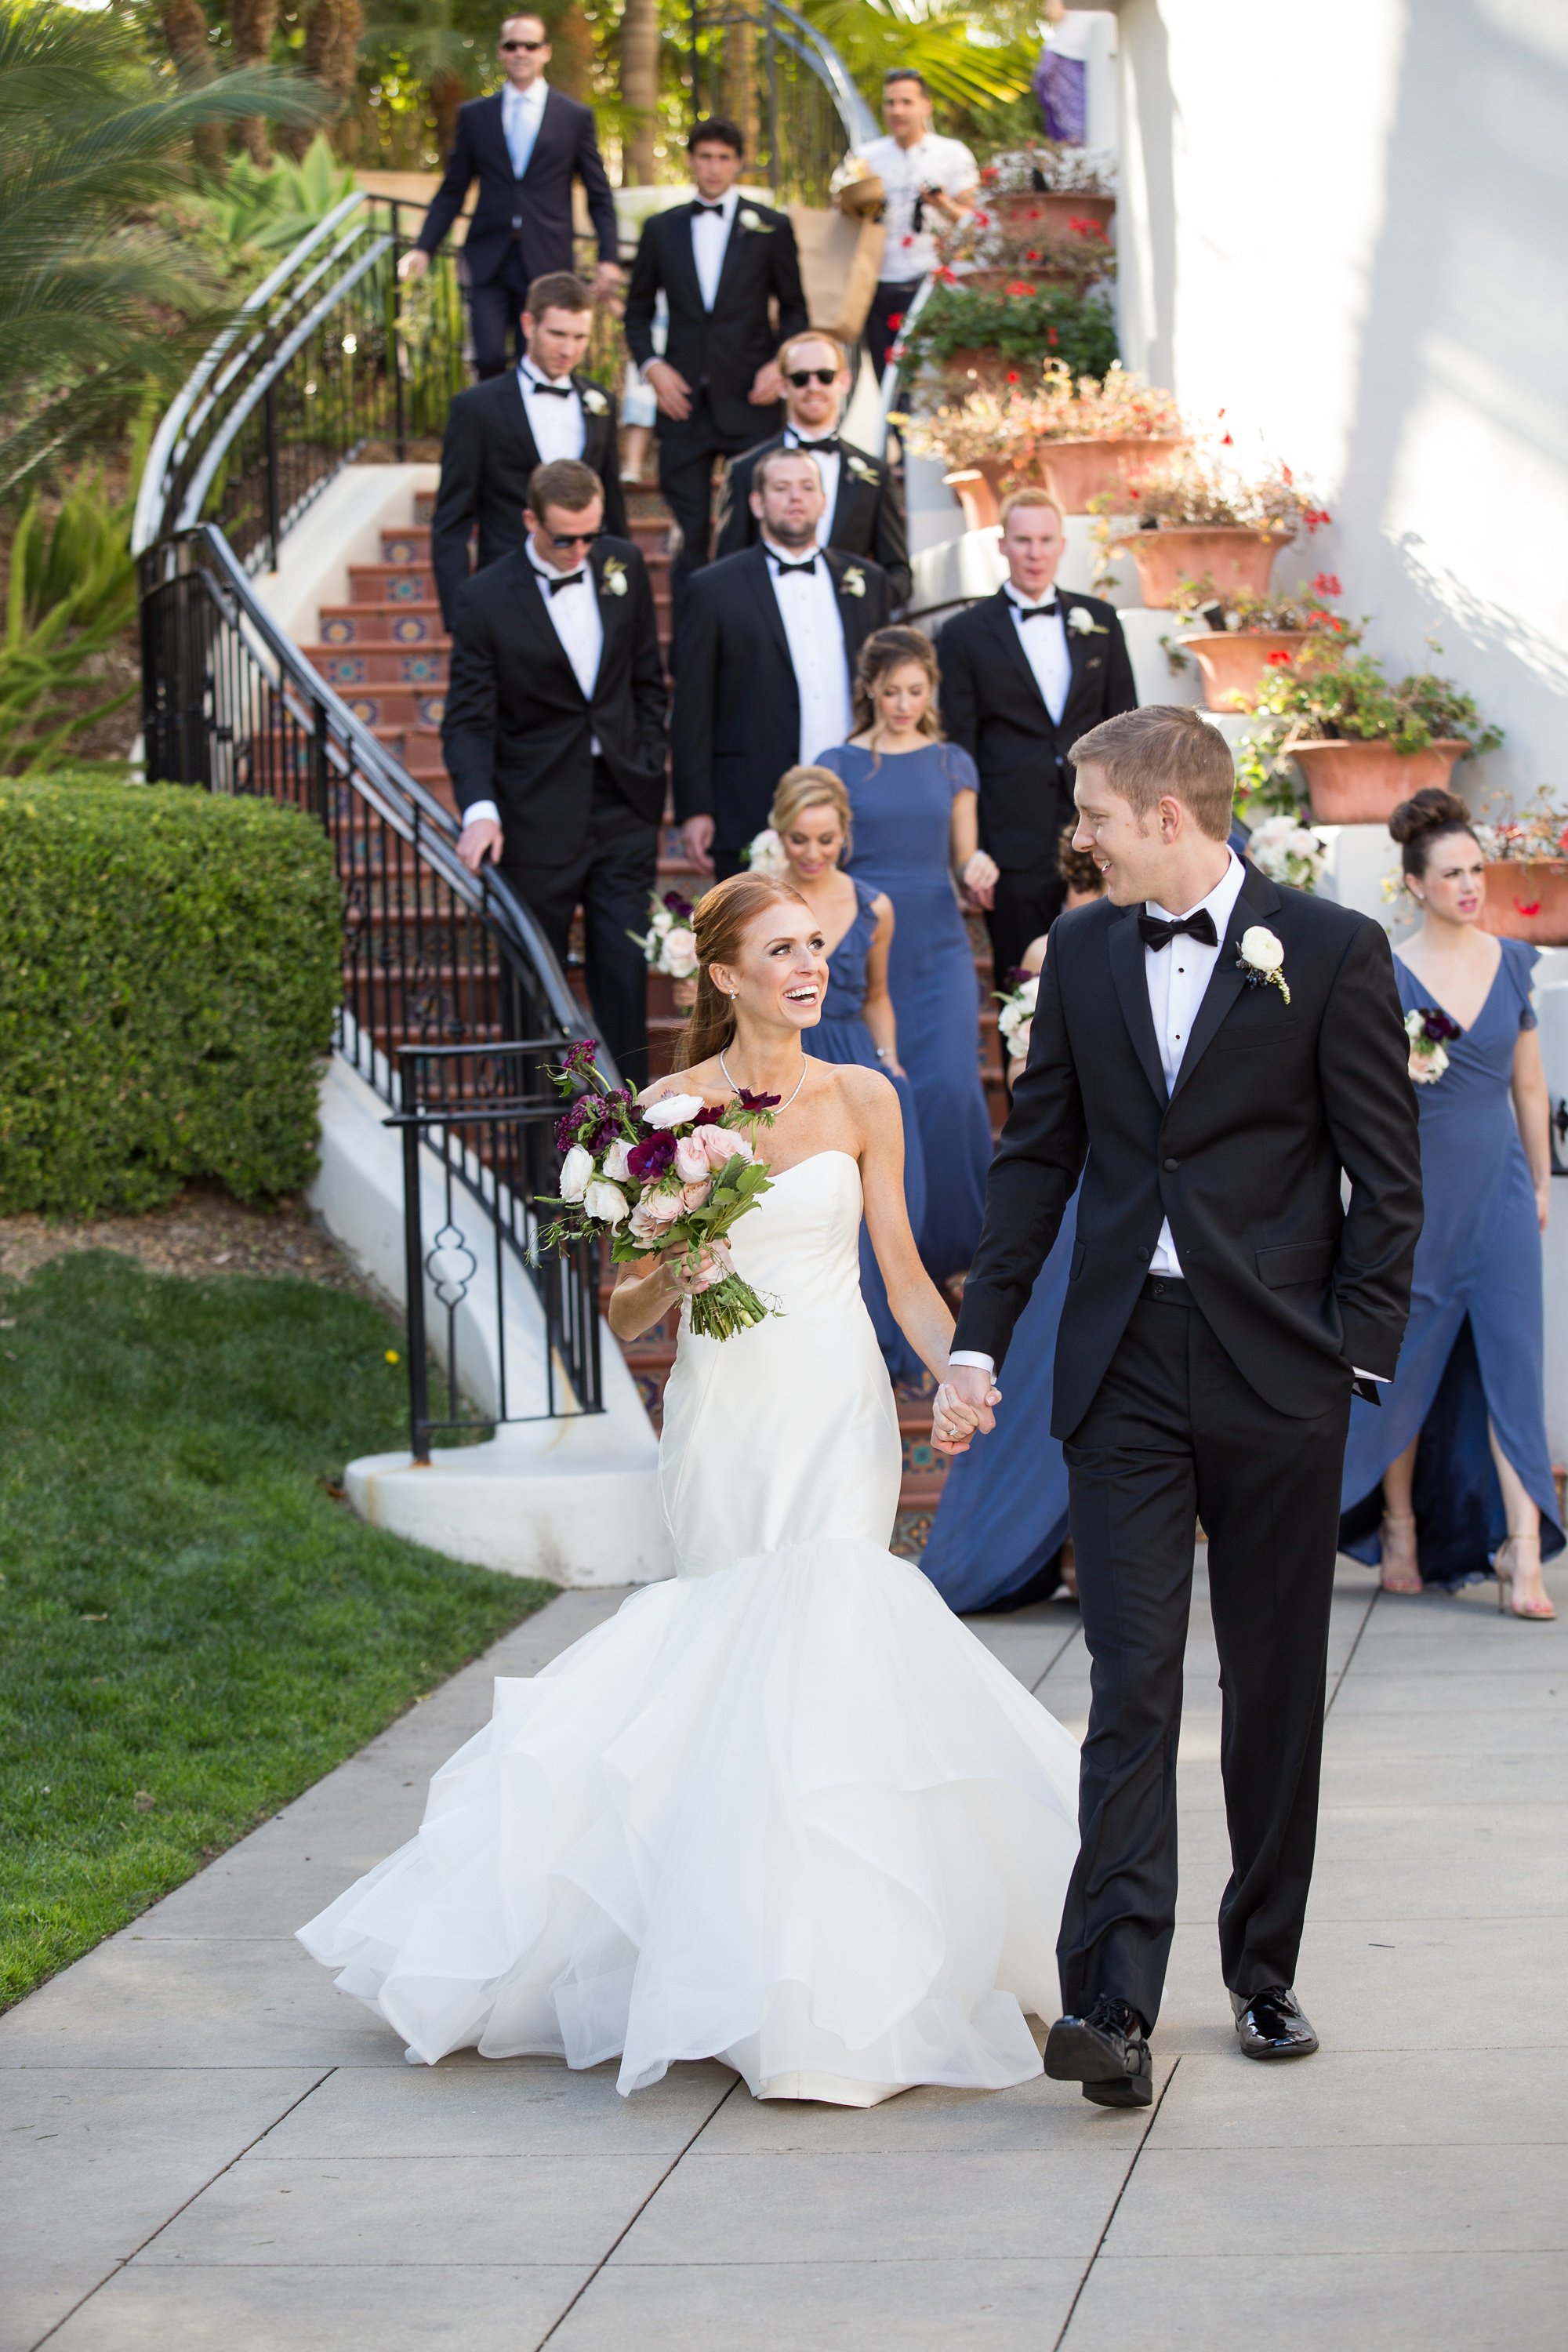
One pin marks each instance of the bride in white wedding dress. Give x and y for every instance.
(783, 1810)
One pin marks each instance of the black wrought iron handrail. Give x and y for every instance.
(787, 84)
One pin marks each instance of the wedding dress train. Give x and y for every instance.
(783, 1810)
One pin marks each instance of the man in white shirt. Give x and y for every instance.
(1213, 1057)
(765, 653)
(926, 182)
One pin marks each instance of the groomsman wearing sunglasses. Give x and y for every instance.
(553, 739)
(525, 146)
(725, 266)
(863, 514)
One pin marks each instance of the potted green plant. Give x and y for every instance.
(988, 253)
(1048, 188)
(1240, 642)
(981, 337)
(1200, 516)
(1362, 745)
(1084, 436)
(1527, 872)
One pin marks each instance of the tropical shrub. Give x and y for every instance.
(71, 593)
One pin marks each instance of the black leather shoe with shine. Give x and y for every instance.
(1271, 2025)
(1105, 2051)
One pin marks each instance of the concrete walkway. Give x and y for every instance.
(204, 2145)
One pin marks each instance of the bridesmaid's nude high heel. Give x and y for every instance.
(1539, 1612)
(1387, 1578)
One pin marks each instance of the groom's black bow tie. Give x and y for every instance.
(698, 206)
(1032, 612)
(555, 391)
(788, 570)
(567, 579)
(1156, 933)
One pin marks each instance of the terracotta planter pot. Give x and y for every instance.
(1052, 215)
(1363, 784)
(976, 494)
(1235, 663)
(966, 367)
(1077, 471)
(1526, 898)
(1238, 561)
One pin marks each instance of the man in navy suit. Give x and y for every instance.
(724, 267)
(525, 146)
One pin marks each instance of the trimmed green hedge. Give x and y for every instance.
(169, 969)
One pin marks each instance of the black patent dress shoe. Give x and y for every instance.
(1271, 2025)
(1106, 2051)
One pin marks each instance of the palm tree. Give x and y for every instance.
(971, 60)
(98, 303)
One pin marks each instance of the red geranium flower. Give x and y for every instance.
(1012, 376)
(895, 320)
(1051, 337)
(1521, 908)
(1031, 257)
(1279, 659)
(981, 220)
(1286, 476)
(1316, 515)
(1327, 584)
(1226, 441)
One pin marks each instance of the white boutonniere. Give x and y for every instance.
(613, 579)
(754, 222)
(1081, 625)
(1262, 959)
(593, 401)
(861, 470)
(853, 583)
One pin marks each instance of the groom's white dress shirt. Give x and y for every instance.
(576, 617)
(1176, 978)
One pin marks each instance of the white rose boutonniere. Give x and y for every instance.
(853, 583)
(593, 401)
(1081, 623)
(613, 579)
(754, 222)
(1262, 960)
(861, 470)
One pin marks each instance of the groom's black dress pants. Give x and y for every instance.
(1175, 1434)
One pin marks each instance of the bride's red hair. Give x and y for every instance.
(724, 915)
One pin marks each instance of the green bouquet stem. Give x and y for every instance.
(730, 1306)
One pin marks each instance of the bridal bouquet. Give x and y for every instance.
(670, 944)
(673, 1175)
(1015, 1020)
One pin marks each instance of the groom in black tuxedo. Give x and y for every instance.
(1218, 1052)
(553, 738)
(1024, 674)
(499, 432)
(725, 265)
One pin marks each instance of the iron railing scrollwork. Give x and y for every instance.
(771, 71)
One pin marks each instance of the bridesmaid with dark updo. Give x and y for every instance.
(1449, 1480)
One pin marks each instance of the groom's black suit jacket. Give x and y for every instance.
(519, 729)
(1244, 1157)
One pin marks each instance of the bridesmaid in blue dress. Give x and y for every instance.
(810, 816)
(1459, 1444)
(914, 801)
(999, 1538)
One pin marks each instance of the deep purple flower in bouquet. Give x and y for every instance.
(1431, 1031)
(674, 1175)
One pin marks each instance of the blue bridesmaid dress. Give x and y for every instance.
(841, 1035)
(1475, 1342)
(903, 812)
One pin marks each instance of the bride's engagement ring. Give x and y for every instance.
(667, 1180)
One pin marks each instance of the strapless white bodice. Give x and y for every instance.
(789, 1430)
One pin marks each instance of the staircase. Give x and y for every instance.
(385, 651)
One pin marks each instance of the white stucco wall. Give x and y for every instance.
(1347, 225)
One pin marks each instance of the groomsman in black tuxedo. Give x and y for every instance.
(724, 267)
(525, 146)
(1024, 674)
(500, 432)
(767, 645)
(553, 739)
(865, 510)
(1213, 1056)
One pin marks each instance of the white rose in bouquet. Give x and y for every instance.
(722, 1143)
(679, 955)
(691, 1160)
(617, 1161)
(653, 1216)
(605, 1203)
(671, 1110)
(576, 1173)
(764, 854)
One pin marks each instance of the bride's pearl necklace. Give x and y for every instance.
(735, 1090)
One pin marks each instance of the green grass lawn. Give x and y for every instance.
(192, 1628)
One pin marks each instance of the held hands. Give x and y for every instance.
(980, 877)
(670, 390)
(961, 1409)
(478, 841)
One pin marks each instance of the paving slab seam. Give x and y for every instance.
(620, 2237)
(1074, 1634)
(184, 2206)
(1349, 1654)
(1126, 2177)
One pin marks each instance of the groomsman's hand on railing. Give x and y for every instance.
(478, 841)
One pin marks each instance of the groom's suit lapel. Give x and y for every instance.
(1126, 950)
(1255, 900)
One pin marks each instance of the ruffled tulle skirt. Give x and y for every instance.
(792, 1815)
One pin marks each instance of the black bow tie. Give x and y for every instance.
(789, 571)
(555, 391)
(567, 579)
(698, 206)
(1156, 933)
(1032, 612)
(828, 446)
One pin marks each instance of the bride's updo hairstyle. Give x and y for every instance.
(723, 917)
(808, 788)
(1420, 822)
